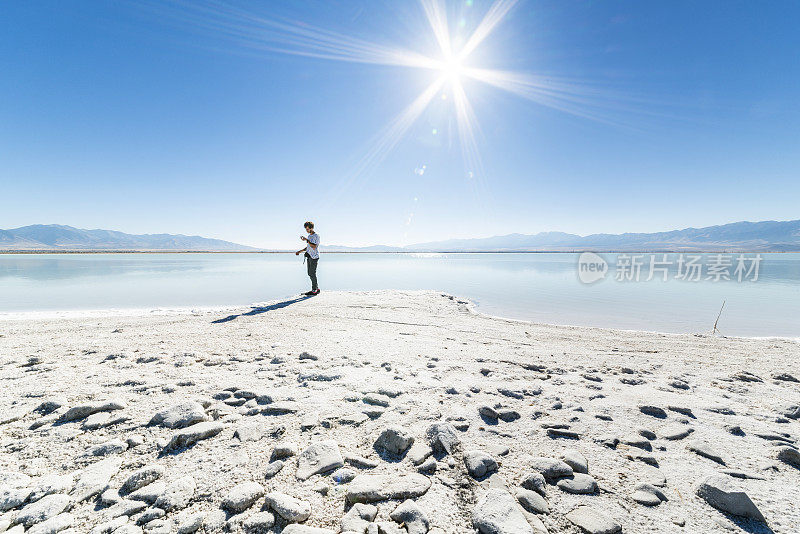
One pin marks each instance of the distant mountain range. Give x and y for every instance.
(765, 236)
(58, 237)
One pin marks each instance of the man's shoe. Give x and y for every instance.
(315, 292)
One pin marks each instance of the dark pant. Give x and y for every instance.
(311, 264)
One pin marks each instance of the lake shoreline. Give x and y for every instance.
(473, 307)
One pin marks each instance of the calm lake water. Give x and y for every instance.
(535, 287)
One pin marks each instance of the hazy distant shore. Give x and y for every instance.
(598, 251)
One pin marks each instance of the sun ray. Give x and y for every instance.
(572, 98)
(388, 138)
(493, 17)
(287, 37)
(468, 128)
(437, 18)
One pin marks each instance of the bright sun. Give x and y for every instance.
(452, 68)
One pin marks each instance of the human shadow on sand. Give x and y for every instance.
(256, 310)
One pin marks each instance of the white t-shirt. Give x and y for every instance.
(311, 251)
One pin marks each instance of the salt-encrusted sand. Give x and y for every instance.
(431, 415)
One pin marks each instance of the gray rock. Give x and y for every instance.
(722, 492)
(683, 410)
(180, 415)
(550, 468)
(149, 515)
(412, 516)
(488, 412)
(289, 508)
(359, 517)
(126, 507)
(376, 399)
(786, 377)
(242, 496)
(374, 487)
(498, 513)
(536, 482)
(280, 408)
(653, 411)
(110, 497)
(792, 411)
(443, 438)
(273, 468)
(177, 495)
(50, 405)
(648, 495)
(508, 415)
(419, 452)
(361, 462)
(284, 449)
(428, 466)
(319, 457)
(788, 455)
(676, 432)
(94, 479)
(190, 523)
(53, 525)
(214, 521)
(249, 431)
(11, 498)
(142, 477)
(134, 440)
(704, 449)
(563, 433)
(259, 522)
(532, 501)
(50, 484)
(85, 410)
(188, 436)
(113, 446)
(592, 521)
(635, 440)
(45, 508)
(395, 440)
(647, 433)
(479, 463)
(102, 420)
(343, 475)
(148, 493)
(576, 460)
(578, 483)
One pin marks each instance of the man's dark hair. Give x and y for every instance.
(308, 224)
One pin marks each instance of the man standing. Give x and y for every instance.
(311, 255)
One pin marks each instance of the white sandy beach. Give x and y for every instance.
(472, 404)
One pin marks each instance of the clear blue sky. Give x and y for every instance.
(152, 117)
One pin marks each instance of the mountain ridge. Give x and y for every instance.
(742, 236)
(57, 237)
